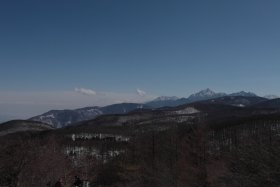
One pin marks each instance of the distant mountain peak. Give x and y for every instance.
(166, 98)
(244, 94)
(206, 93)
(61, 118)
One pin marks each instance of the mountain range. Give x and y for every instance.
(62, 118)
(199, 96)
(224, 130)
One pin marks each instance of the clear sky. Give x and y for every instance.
(107, 49)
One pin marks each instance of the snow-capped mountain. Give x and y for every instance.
(62, 118)
(202, 95)
(205, 94)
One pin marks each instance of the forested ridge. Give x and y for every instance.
(204, 150)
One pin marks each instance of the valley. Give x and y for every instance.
(182, 143)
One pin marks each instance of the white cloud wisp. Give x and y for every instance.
(140, 92)
(85, 91)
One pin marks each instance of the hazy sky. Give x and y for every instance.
(70, 53)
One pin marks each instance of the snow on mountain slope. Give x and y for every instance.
(62, 118)
(188, 110)
(205, 94)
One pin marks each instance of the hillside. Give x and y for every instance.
(15, 126)
(205, 143)
(62, 118)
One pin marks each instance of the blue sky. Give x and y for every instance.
(161, 47)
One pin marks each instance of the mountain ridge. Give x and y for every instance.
(15, 126)
(198, 96)
(62, 118)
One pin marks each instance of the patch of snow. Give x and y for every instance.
(93, 110)
(188, 110)
(241, 105)
(47, 116)
(238, 105)
(50, 116)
